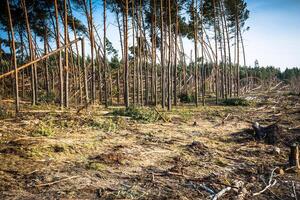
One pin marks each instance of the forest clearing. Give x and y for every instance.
(194, 155)
(148, 99)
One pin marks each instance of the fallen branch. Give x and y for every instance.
(223, 121)
(55, 182)
(160, 115)
(221, 193)
(271, 183)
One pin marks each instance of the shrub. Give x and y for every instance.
(140, 114)
(106, 125)
(47, 97)
(186, 98)
(43, 129)
(3, 113)
(236, 102)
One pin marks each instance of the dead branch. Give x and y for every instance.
(221, 193)
(55, 182)
(271, 183)
(160, 115)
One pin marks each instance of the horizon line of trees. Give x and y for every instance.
(154, 69)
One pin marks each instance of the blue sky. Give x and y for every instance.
(274, 35)
(273, 38)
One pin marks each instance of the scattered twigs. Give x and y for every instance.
(270, 184)
(221, 193)
(207, 189)
(55, 182)
(160, 115)
(273, 88)
(223, 121)
(294, 190)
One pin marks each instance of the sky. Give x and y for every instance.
(274, 35)
(273, 38)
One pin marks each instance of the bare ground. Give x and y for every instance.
(47, 154)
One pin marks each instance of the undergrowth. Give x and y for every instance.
(4, 113)
(186, 98)
(236, 102)
(146, 115)
(47, 97)
(108, 125)
(44, 129)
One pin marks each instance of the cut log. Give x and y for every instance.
(294, 156)
(269, 133)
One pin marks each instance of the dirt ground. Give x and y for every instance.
(48, 154)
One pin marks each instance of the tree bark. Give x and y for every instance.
(14, 56)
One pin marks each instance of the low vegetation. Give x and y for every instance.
(145, 115)
(236, 102)
(44, 129)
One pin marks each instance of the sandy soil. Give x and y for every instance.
(47, 154)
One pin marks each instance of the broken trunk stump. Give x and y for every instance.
(294, 156)
(268, 133)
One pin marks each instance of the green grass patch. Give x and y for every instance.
(108, 125)
(47, 97)
(44, 129)
(236, 102)
(186, 98)
(146, 115)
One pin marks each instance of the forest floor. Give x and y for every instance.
(49, 154)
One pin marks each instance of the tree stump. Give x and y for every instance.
(294, 156)
(269, 133)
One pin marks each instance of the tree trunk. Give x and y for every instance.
(163, 100)
(14, 56)
(104, 55)
(66, 55)
(61, 80)
(31, 52)
(196, 50)
(175, 56)
(126, 89)
(216, 52)
(169, 57)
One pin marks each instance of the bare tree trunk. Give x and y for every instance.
(61, 80)
(126, 89)
(22, 59)
(31, 52)
(46, 61)
(169, 57)
(196, 50)
(202, 55)
(104, 55)
(175, 57)
(93, 89)
(14, 59)
(84, 72)
(216, 52)
(66, 56)
(163, 100)
(238, 54)
(134, 59)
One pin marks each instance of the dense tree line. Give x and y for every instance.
(152, 68)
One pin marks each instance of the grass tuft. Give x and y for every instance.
(236, 102)
(146, 115)
(44, 129)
